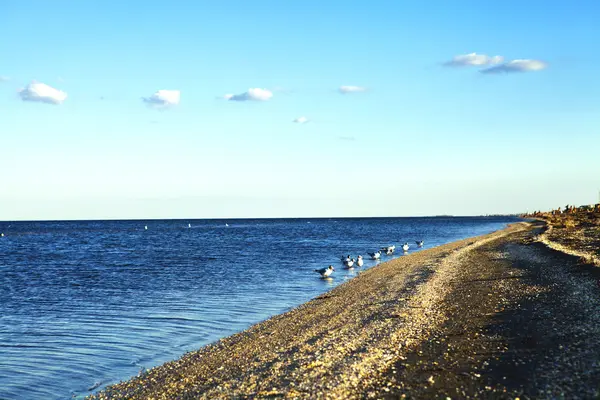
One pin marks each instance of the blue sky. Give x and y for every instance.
(424, 139)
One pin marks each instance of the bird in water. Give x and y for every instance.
(360, 261)
(389, 250)
(420, 243)
(405, 247)
(325, 272)
(344, 260)
(375, 256)
(349, 263)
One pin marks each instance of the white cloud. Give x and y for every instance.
(301, 120)
(256, 94)
(351, 89)
(473, 59)
(41, 92)
(4, 79)
(163, 98)
(516, 66)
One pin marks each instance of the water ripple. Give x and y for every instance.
(84, 304)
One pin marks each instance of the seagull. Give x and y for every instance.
(420, 243)
(375, 256)
(145, 227)
(344, 260)
(360, 261)
(389, 250)
(189, 225)
(405, 247)
(349, 263)
(325, 272)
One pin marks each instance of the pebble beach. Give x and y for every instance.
(496, 316)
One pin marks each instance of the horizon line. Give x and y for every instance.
(260, 218)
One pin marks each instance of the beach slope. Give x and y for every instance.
(498, 316)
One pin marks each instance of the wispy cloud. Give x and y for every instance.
(42, 93)
(163, 98)
(301, 120)
(253, 94)
(281, 89)
(351, 89)
(516, 66)
(473, 59)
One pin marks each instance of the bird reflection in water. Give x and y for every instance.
(328, 281)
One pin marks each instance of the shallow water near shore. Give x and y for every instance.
(88, 303)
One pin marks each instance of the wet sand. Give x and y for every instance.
(498, 316)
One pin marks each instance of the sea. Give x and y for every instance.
(84, 304)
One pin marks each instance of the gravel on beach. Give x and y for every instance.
(497, 316)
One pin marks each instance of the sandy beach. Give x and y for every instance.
(497, 316)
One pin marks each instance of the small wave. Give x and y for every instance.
(95, 386)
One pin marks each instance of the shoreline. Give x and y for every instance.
(552, 237)
(354, 341)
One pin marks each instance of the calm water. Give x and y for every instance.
(84, 304)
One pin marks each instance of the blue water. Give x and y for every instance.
(88, 303)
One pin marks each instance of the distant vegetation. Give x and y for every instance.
(570, 216)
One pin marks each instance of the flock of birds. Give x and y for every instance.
(349, 262)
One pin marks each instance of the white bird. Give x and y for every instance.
(349, 263)
(189, 225)
(226, 224)
(325, 272)
(1, 234)
(405, 247)
(389, 250)
(360, 261)
(375, 256)
(145, 227)
(344, 260)
(420, 243)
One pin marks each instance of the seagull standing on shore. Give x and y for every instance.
(360, 261)
(375, 256)
(405, 247)
(325, 272)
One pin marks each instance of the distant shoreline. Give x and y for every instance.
(254, 218)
